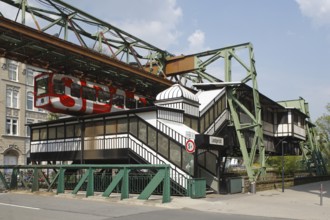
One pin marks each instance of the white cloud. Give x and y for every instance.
(156, 24)
(317, 10)
(196, 41)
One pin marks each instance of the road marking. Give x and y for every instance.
(19, 206)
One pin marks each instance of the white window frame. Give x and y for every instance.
(29, 97)
(11, 126)
(12, 71)
(12, 97)
(29, 77)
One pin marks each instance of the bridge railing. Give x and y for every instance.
(90, 178)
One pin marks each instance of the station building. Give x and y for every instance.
(159, 134)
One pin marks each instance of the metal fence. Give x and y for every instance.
(144, 180)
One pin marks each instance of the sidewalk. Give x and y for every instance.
(300, 202)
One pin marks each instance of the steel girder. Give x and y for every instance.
(60, 19)
(237, 108)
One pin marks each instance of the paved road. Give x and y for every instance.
(15, 206)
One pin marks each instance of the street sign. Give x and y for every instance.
(216, 140)
(190, 146)
(204, 141)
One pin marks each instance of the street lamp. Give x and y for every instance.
(283, 142)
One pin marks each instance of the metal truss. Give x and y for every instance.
(64, 21)
(312, 155)
(240, 111)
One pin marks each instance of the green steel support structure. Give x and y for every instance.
(312, 155)
(121, 179)
(228, 54)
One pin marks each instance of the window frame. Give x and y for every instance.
(12, 97)
(13, 72)
(11, 126)
(29, 97)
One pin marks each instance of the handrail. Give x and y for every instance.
(172, 133)
(174, 173)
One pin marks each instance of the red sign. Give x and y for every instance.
(190, 146)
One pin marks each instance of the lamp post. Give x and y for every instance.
(283, 142)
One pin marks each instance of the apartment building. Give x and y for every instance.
(17, 110)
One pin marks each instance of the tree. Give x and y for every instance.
(323, 130)
(323, 125)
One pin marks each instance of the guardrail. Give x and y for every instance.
(32, 177)
(172, 133)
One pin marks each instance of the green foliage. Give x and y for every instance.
(323, 132)
(323, 125)
(52, 116)
(291, 164)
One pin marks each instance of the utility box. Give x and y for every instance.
(197, 188)
(234, 185)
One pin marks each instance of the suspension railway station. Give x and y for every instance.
(143, 105)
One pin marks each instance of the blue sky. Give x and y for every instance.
(291, 38)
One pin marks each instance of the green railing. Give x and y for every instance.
(143, 179)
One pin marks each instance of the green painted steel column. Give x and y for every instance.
(125, 184)
(115, 181)
(167, 186)
(53, 182)
(35, 183)
(81, 182)
(90, 183)
(153, 184)
(241, 140)
(3, 180)
(60, 181)
(13, 182)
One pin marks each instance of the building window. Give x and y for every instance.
(29, 77)
(11, 126)
(29, 101)
(12, 72)
(12, 98)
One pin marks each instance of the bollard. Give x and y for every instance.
(253, 187)
(321, 194)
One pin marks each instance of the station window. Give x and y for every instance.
(111, 127)
(59, 86)
(75, 90)
(88, 93)
(133, 126)
(175, 153)
(122, 125)
(52, 133)
(72, 131)
(35, 134)
(152, 137)
(282, 118)
(142, 131)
